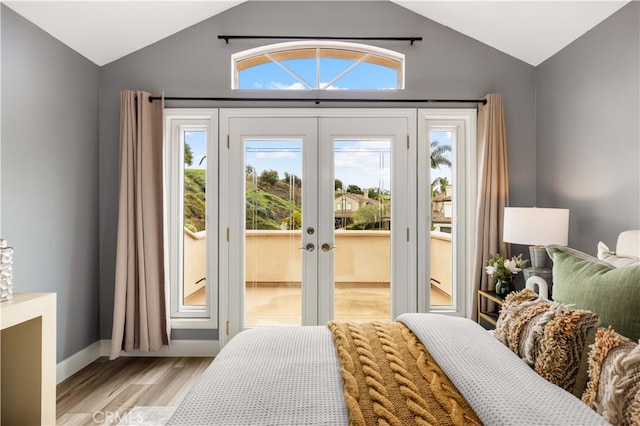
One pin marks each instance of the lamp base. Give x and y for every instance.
(538, 256)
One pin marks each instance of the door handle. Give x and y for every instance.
(309, 247)
(327, 247)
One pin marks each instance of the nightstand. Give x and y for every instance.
(489, 317)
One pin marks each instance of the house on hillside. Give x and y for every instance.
(347, 204)
(442, 211)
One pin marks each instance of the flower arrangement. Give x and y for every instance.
(503, 270)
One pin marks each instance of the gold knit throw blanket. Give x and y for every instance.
(390, 378)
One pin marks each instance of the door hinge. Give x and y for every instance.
(228, 139)
(227, 328)
(227, 234)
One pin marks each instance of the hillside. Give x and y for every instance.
(273, 203)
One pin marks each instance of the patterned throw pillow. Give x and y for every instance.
(548, 336)
(613, 389)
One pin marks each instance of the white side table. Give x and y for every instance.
(28, 359)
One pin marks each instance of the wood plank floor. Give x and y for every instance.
(104, 391)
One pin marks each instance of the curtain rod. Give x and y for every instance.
(316, 100)
(250, 37)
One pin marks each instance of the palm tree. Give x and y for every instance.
(439, 185)
(438, 155)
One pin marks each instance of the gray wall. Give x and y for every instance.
(588, 132)
(195, 63)
(50, 175)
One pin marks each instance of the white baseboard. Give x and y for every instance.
(177, 348)
(76, 362)
(84, 357)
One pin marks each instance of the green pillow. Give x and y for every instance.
(612, 293)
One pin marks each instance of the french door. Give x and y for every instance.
(318, 219)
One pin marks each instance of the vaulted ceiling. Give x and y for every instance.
(104, 31)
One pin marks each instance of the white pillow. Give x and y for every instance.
(610, 257)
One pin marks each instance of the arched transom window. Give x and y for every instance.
(318, 65)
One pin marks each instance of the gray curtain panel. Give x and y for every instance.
(139, 311)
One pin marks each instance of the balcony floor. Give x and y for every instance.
(277, 304)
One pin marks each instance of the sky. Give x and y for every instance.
(364, 76)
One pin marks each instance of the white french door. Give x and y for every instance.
(318, 219)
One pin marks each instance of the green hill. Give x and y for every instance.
(194, 199)
(271, 202)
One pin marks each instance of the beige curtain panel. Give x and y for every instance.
(139, 311)
(493, 191)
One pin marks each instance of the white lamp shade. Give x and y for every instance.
(536, 226)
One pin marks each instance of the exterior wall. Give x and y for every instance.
(441, 256)
(193, 62)
(360, 256)
(50, 175)
(195, 253)
(588, 109)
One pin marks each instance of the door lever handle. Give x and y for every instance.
(327, 247)
(309, 247)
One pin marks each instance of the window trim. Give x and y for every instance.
(314, 48)
(176, 120)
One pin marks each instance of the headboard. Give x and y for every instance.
(628, 244)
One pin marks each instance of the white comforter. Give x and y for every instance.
(291, 376)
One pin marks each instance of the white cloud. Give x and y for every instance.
(274, 85)
(365, 163)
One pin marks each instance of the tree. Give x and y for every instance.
(374, 194)
(439, 185)
(292, 180)
(354, 189)
(269, 177)
(188, 155)
(337, 185)
(366, 215)
(439, 155)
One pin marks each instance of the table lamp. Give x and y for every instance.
(536, 227)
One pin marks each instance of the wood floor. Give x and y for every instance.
(104, 391)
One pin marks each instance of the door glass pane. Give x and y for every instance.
(194, 236)
(273, 203)
(362, 217)
(441, 215)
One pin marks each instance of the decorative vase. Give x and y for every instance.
(504, 287)
(6, 272)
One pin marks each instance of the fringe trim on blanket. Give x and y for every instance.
(390, 378)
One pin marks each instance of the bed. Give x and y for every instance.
(321, 376)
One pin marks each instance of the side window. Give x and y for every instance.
(190, 202)
(318, 65)
(446, 177)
